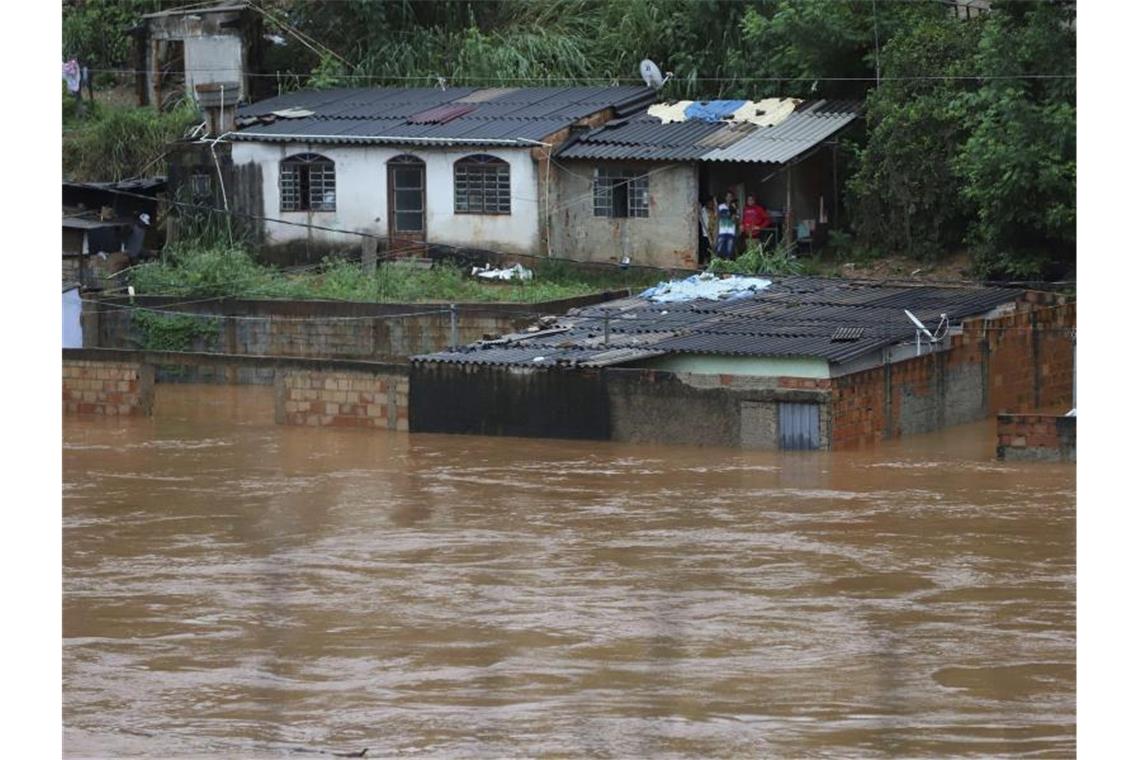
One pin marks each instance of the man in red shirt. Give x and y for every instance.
(754, 219)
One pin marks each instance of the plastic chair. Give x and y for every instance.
(803, 237)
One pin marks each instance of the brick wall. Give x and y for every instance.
(107, 387)
(342, 398)
(1019, 362)
(1037, 436)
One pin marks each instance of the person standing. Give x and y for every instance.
(753, 220)
(726, 233)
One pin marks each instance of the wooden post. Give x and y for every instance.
(789, 224)
(368, 256)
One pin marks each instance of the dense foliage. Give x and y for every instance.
(970, 129)
(113, 143)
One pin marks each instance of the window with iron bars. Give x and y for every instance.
(308, 183)
(482, 185)
(620, 192)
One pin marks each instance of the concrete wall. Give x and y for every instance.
(637, 405)
(362, 196)
(666, 238)
(342, 398)
(107, 387)
(319, 329)
(1044, 437)
(739, 365)
(314, 392)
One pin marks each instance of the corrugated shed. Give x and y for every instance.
(794, 317)
(421, 115)
(644, 137)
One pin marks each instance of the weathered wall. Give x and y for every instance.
(105, 387)
(342, 398)
(1017, 362)
(1037, 437)
(644, 406)
(666, 238)
(319, 329)
(362, 196)
(514, 401)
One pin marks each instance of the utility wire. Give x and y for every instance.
(454, 81)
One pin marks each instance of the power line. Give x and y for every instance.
(433, 78)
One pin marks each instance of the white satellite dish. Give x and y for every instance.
(652, 75)
(918, 323)
(921, 330)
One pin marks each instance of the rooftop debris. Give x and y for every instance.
(706, 286)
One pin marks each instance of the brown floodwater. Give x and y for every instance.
(234, 588)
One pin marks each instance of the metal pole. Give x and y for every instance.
(454, 326)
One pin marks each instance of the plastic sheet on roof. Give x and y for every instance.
(706, 286)
(713, 110)
(767, 112)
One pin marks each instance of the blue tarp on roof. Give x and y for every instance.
(713, 110)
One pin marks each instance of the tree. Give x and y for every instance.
(904, 194)
(1018, 166)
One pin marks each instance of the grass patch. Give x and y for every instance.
(221, 270)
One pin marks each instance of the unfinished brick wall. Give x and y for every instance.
(342, 398)
(1037, 437)
(1019, 362)
(110, 388)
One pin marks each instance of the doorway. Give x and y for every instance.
(406, 200)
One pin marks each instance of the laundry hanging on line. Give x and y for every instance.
(73, 75)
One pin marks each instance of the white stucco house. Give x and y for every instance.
(462, 166)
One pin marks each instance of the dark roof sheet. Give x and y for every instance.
(794, 317)
(644, 137)
(426, 114)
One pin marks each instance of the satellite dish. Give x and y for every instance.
(918, 324)
(651, 74)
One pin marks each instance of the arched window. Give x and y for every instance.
(482, 185)
(308, 183)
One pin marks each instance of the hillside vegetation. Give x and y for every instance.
(969, 141)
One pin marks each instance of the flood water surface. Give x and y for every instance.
(241, 589)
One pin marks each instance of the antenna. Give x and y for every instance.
(920, 330)
(652, 75)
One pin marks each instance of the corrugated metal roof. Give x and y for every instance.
(644, 137)
(422, 115)
(794, 317)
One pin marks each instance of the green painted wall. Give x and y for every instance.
(739, 365)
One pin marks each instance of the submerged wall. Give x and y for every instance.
(1015, 363)
(107, 387)
(638, 405)
(1044, 437)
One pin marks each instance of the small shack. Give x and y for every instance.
(632, 187)
(177, 50)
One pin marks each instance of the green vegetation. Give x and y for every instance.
(969, 140)
(230, 271)
(109, 143)
(173, 332)
(756, 260)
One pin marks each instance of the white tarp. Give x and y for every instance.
(705, 285)
(517, 272)
(72, 326)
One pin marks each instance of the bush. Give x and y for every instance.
(117, 143)
(755, 260)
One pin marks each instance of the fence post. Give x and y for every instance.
(454, 326)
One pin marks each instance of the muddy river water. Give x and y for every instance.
(235, 588)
